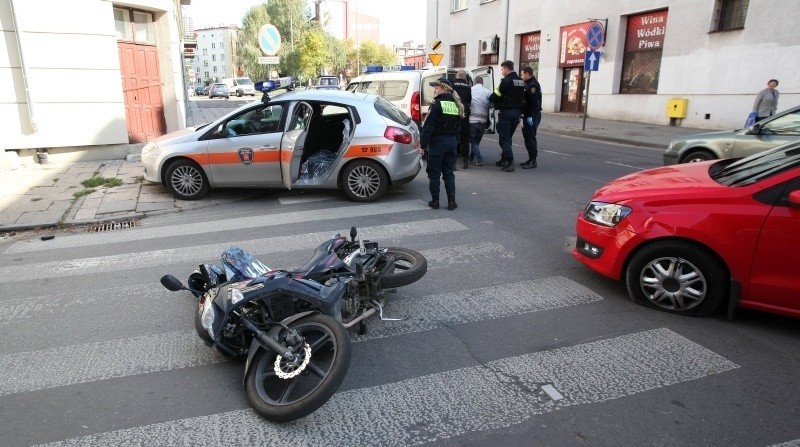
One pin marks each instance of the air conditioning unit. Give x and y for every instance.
(488, 46)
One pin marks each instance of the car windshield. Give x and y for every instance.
(760, 166)
(243, 81)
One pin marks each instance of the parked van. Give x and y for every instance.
(240, 86)
(409, 88)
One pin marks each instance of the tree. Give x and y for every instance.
(313, 52)
(374, 54)
(247, 49)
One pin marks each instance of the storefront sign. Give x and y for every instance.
(573, 44)
(529, 44)
(646, 31)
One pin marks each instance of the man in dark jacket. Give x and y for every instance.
(439, 139)
(507, 98)
(531, 115)
(462, 87)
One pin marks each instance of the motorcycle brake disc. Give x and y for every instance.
(285, 369)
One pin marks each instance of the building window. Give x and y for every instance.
(213, 45)
(641, 61)
(205, 63)
(213, 57)
(730, 14)
(136, 26)
(458, 55)
(459, 5)
(529, 51)
(222, 45)
(206, 74)
(214, 69)
(205, 51)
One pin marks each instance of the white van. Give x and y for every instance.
(409, 89)
(240, 86)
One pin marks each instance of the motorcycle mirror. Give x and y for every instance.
(171, 283)
(353, 233)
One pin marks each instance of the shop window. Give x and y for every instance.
(730, 14)
(458, 55)
(641, 60)
(136, 26)
(529, 51)
(459, 5)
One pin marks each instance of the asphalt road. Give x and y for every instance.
(511, 341)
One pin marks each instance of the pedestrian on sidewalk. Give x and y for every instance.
(766, 101)
(464, 93)
(531, 115)
(440, 140)
(507, 98)
(478, 117)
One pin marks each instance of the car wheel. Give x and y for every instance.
(697, 156)
(239, 93)
(364, 181)
(186, 180)
(676, 277)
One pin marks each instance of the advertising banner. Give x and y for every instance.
(646, 31)
(573, 45)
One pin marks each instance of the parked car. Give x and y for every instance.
(218, 90)
(240, 86)
(358, 143)
(763, 135)
(690, 238)
(410, 89)
(327, 83)
(201, 90)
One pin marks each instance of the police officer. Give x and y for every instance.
(440, 140)
(464, 91)
(531, 115)
(507, 98)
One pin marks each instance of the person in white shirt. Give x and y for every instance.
(479, 115)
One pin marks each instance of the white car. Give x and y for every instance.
(358, 143)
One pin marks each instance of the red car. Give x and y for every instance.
(690, 238)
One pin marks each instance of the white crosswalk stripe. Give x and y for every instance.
(139, 234)
(277, 244)
(428, 408)
(29, 371)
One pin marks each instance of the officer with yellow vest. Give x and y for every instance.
(440, 139)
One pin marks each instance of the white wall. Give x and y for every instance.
(70, 49)
(719, 73)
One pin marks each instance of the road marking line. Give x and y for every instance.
(145, 233)
(623, 164)
(552, 392)
(86, 266)
(426, 409)
(29, 371)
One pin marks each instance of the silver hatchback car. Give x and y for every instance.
(765, 134)
(358, 143)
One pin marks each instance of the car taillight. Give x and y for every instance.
(397, 134)
(416, 109)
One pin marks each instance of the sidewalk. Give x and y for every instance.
(35, 196)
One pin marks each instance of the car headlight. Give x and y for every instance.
(606, 214)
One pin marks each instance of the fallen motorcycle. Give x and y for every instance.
(292, 325)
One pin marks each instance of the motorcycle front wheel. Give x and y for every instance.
(281, 400)
(409, 267)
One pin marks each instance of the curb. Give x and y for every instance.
(629, 142)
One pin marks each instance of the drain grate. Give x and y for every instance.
(110, 226)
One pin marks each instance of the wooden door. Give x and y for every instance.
(141, 84)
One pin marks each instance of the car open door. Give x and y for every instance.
(293, 141)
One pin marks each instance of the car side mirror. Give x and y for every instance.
(794, 199)
(755, 129)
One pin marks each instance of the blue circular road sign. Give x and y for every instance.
(269, 39)
(595, 36)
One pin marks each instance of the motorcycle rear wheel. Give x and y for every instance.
(283, 400)
(409, 267)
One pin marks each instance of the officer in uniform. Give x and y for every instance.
(507, 98)
(440, 139)
(531, 115)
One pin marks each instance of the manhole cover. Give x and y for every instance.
(110, 226)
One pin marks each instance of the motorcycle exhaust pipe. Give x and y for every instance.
(366, 314)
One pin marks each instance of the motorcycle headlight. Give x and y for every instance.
(606, 214)
(208, 316)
